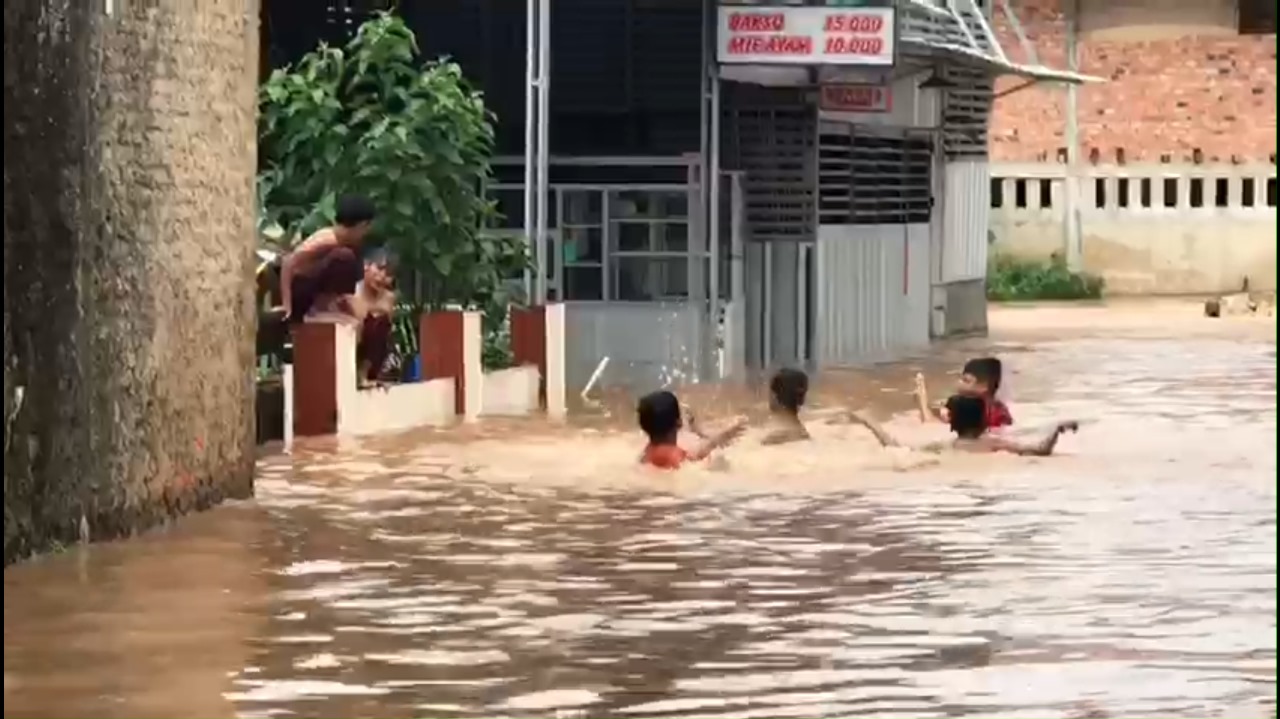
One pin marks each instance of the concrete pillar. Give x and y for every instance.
(130, 156)
(538, 338)
(315, 379)
(450, 343)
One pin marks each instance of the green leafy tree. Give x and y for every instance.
(373, 118)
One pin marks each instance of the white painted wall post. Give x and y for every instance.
(557, 405)
(472, 366)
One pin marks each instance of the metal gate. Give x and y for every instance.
(875, 209)
(770, 136)
(629, 262)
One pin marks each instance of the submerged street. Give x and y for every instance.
(530, 571)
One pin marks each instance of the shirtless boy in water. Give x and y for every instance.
(787, 392)
(967, 416)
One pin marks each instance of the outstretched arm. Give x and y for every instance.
(883, 437)
(1044, 447)
(922, 402)
(719, 440)
(692, 423)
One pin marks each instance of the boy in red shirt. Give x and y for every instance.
(979, 378)
(660, 418)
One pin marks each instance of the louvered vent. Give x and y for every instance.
(873, 178)
(966, 112)
(771, 135)
(835, 174)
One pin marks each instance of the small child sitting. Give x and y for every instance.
(787, 392)
(660, 419)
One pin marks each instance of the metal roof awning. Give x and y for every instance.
(996, 66)
(958, 31)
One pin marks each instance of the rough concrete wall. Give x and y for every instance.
(129, 157)
(1178, 80)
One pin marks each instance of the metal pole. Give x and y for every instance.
(713, 236)
(530, 137)
(1071, 190)
(737, 273)
(704, 124)
(543, 180)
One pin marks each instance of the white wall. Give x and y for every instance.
(510, 392)
(394, 409)
(1177, 243)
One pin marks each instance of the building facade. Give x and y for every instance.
(1161, 180)
(1189, 81)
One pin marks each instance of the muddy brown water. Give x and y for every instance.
(520, 570)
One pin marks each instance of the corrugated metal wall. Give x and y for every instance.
(650, 344)
(872, 291)
(966, 218)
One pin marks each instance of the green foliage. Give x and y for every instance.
(1010, 280)
(372, 118)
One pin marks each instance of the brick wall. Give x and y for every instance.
(129, 160)
(1172, 87)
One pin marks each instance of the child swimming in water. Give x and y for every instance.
(660, 418)
(967, 415)
(787, 392)
(979, 378)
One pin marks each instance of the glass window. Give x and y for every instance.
(649, 279)
(583, 283)
(648, 204)
(582, 244)
(636, 236)
(582, 207)
(510, 207)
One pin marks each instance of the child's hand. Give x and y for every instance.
(687, 411)
(920, 390)
(734, 431)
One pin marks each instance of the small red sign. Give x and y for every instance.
(856, 98)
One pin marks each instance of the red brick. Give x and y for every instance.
(1169, 96)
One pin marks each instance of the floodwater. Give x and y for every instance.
(528, 571)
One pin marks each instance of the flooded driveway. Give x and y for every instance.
(533, 572)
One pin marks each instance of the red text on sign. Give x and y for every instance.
(771, 45)
(842, 45)
(854, 23)
(757, 22)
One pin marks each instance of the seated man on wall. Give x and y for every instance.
(320, 275)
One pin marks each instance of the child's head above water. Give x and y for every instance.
(967, 415)
(659, 415)
(787, 391)
(981, 376)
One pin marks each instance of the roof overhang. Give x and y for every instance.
(994, 65)
(957, 31)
